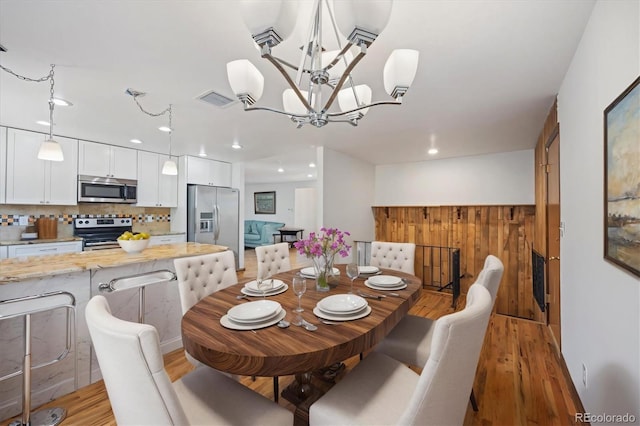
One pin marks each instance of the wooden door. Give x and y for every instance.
(553, 237)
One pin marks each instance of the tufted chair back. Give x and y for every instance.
(199, 276)
(273, 259)
(491, 275)
(398, 256)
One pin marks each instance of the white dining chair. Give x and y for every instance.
(383, 391)
(397, 256)
(199, 276)
(141, 393)
(272, 259)
(410, 340)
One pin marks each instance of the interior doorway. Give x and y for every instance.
(553, 235)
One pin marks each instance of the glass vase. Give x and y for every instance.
(324, 272)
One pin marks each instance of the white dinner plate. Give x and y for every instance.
(342, 315)
(385, 280)
(311, 272)
(254, 311)
(342, 304)
(251, 322)
(322, 314)
(228, 323)
(385, 288)
(368, 269)
(253, 285)
(252, 293)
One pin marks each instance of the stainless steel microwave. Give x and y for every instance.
(95, 189)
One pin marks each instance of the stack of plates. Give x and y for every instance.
(342, 307)
(385, 282)
(311, 272)
(251, 288)
(252, 315)
(368, 270)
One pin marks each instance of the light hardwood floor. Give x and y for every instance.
(519, 381)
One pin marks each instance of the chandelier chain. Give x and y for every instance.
(163, 112)
(36, 80)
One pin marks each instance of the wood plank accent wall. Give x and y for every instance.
(504, 231)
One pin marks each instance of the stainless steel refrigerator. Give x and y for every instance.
(213, 216)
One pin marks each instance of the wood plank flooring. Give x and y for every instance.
(520, 378)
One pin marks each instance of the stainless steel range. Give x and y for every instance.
(101, 233)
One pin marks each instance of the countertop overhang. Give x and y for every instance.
(24, 268)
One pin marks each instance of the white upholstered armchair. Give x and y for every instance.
(398, 256)
(272, 259)
(141, 393)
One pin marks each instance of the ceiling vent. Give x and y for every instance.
(217, 99)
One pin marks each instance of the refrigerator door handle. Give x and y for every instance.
(216, 234)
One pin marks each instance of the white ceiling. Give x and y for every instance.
(488, 73)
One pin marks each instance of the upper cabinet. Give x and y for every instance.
(96, 159)
(3, 165)
(34, 181)
(201, 171)
(154, 188)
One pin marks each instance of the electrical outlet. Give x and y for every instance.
(584, 375)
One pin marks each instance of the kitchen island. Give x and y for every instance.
(81, 275)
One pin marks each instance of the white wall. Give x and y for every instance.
(348, 195)
(505, 178)
(600, 302)
(285, 201)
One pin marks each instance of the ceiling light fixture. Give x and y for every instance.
(432, 151)
(61, 102)
(271, 22)
(49, 149)
(312, 165)
(169, 167)
(236, 145)
(202, 154)
(42, 122)
(280, 170)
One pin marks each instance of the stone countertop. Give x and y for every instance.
(24, 268)
(39, 241)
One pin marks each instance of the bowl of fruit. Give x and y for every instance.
(133, 243)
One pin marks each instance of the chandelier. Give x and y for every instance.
(360, 21)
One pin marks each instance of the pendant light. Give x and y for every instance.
(169, 167)
(50, 149)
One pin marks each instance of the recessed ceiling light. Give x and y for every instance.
(202, 154)
(61, 102)
(432, 151)
(236, 145)
(280, 170)
(164, 129)
(42, 122)
(135, 141)
(312, 164)
(309, 175)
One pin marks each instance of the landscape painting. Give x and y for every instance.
(622, 179)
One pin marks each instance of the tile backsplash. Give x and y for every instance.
(148, 219)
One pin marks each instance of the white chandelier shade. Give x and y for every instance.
(372, 16)
(245, 80)
(50, 150)
(347, 100)
(323, 73)
(400, 70)
(169, 168)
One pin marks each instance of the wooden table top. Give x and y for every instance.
(273, 351)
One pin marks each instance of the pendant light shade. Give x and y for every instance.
(336, 71)
(50, 150)
(245, 80)
(347, 100)
(371, 16)
(291, 103)
(169, 168)
(275, 15)
(399, 71)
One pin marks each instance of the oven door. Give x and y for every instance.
(105, 190)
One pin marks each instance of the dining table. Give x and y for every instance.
(274, 351)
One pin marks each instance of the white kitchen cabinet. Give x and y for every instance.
(154, 188)
(201, 171)
(167, 239)
(43, 249)
(3, 252)
(3, 165)
(96, 159)
(34, 181)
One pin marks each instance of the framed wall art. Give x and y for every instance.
(622, 180)
(264, 202)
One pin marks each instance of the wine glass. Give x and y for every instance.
(299, 288)
(264, 284)
(352, 273)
